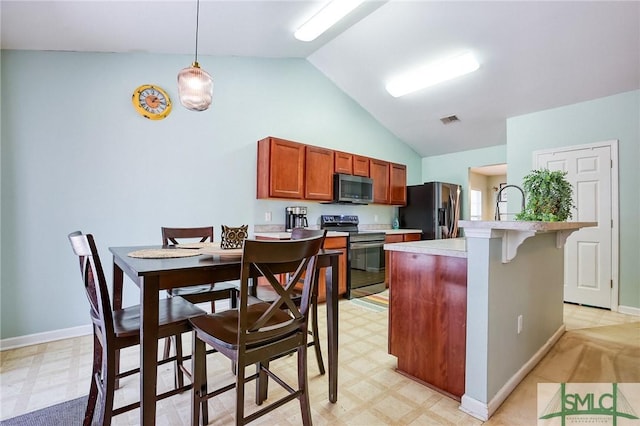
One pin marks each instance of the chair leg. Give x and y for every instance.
(305, 407)
(262, 382)
(240, 393)
(95, 377)
(316, 335)
(167, 347)
(199, 408)
(108, 389)
(179, 374)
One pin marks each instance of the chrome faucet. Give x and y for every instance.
(497, 216)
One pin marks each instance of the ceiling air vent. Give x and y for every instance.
(449, 119)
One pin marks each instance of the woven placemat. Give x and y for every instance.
(196, 245)
(162, 253)
(216, 250)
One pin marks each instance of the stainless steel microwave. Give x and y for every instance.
(352, 189)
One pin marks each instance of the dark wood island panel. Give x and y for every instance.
(427, 318)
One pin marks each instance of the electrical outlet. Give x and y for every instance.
(520, 324)
(267, 216)
(375, 218)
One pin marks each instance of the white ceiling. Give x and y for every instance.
(533, 55)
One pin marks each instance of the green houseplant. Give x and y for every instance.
(549, 196)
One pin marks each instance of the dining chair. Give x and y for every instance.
(267, 293)
(258, 331)
(199, 293)
(114, 330)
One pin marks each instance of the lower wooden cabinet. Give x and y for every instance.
(396, 238)
(335, 243)
(427, 319)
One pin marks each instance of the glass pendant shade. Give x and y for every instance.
(195, 88)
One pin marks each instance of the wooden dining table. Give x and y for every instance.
(154, 275)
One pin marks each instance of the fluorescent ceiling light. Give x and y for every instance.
(329, 15)
(432, 74)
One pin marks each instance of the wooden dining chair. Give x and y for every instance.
(266, 293)
(199, 293)
(114, 330)
(256, 332)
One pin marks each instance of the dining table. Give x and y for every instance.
(153, 275)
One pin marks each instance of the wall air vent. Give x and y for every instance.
(449, 119)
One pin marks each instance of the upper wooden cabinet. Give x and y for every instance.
(379, 171)
(319, 173)
(280, 169)
(293, 170)
(343, 163)
(398, 184)
(360, 165)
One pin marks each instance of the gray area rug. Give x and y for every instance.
(68, 413)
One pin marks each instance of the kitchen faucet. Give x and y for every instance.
(497, 216)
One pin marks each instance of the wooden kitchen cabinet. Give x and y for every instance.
(398, 184)
(343, 162)
(318, 181)
(379, 171)
(280, 169)
(296, 171)
(360, 165)
(334, 243)
(427, 319)
(396, 238)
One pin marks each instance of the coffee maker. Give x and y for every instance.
(295, 217)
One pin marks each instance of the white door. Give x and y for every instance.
(589, 253)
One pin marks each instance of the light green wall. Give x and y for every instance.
(75, 155)
(612, 117)
(454, 168)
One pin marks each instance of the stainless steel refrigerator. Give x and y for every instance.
(433, 207)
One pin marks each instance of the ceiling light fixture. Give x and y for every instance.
(325, 18)
(432, 74)
(195, 85)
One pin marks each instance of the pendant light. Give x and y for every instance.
(195, 85)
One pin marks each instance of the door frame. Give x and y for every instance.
(615, 206)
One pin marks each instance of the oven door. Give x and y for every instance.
(367, 268)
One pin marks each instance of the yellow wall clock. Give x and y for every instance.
(151, 102)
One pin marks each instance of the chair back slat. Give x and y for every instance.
(95, 284)
(270, 259)
(173, 235)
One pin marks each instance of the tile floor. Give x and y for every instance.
(370, 391)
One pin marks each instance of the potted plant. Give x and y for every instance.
(549, 196)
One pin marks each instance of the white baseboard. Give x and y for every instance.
(483, 411)
(45, 337)
(629, 310)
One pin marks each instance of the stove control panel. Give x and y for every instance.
(338, 219)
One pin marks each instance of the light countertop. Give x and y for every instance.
(286, 235)
(401, 231)
(453, 247)
(520, 225)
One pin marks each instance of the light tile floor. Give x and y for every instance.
(370, 391)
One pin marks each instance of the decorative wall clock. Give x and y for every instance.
(151, 102)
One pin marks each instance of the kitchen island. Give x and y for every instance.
(510, 276)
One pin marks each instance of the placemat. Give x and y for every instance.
(196, 245)
(216, 250)
(162, 253)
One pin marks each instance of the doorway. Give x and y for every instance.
(484, 183)
(591, 254)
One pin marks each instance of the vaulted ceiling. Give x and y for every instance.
(533, 55)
